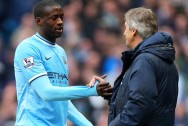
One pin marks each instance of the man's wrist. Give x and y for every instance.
(93, 90)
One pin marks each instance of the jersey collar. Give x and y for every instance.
(45, 41)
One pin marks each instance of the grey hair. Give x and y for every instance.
(143, 20)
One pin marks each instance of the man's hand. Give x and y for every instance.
(104, 89)
(95, 80)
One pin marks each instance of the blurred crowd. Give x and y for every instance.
(93, 40)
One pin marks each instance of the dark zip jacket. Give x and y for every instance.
(145, 93)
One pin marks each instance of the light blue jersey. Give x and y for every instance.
(35, 58)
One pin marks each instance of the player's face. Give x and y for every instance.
(52, 22)
(128, 34)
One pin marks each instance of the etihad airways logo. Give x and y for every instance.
(58, 76)
(57, 79)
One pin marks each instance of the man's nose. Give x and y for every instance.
(60, 21)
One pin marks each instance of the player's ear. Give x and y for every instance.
(38, 20)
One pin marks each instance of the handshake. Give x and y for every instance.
(104, 89)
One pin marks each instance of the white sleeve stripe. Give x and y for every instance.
(36, 76)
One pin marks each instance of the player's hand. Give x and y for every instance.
(104, 89)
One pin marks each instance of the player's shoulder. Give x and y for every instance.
(61, 49)
(26, 44)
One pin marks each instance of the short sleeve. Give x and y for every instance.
(28, 61)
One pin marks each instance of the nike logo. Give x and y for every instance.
(47, 58)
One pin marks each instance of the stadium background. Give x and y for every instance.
(93, 40)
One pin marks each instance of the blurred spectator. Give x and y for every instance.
(124, 5)
(90, 17)
(181, 25)
(110, 14)
(13, 10)
(166, 12)
(2, 65)
(103, 118)
(72, 24)
(181, 115)
(23, 31)
(8, 105)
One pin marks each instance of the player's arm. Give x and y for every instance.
(47, 91)
(76, 117)
(142, 96)
(31, 64)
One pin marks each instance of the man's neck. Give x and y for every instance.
(53, 40)
(137, 41)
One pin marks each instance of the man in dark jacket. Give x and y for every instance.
(145, 93)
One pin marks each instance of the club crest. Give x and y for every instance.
(64, 60)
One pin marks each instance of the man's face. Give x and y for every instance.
(52, 23)
(128, 34)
